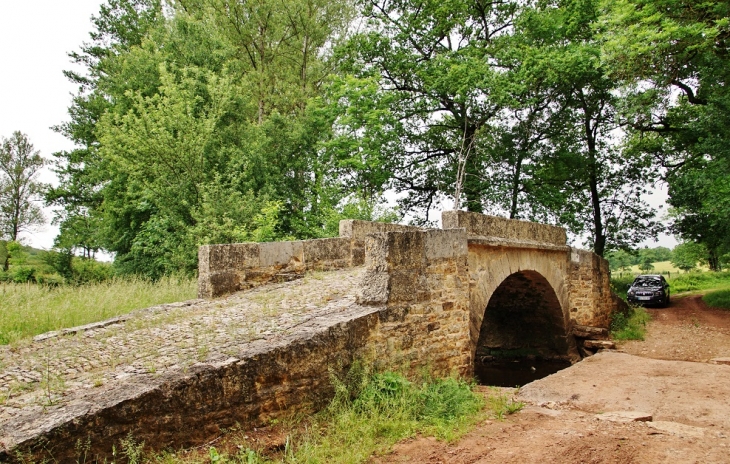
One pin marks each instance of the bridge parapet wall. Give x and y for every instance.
(229, 268)
(505, 229)
(421, 280)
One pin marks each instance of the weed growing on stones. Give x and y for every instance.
(370, 412)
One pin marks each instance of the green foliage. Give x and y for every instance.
(30, 310)
(20, 164)
(370, 413)
(198, 127)
(672, 56)
(646, 265)
(382, 409)
(698, 281)
(630, 325)
(620, 285)
(687, 255)
(719, 299)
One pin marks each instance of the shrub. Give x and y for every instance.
(630, 325)
(719, 299)
(23, 275)
(85, 270)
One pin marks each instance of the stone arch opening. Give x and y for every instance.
(523, 335)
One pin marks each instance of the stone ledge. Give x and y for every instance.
(510, 229)
(112, 321)
(511, 243)
(583, 331)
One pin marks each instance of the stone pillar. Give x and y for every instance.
(421, 280)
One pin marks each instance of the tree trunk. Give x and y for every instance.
(517, 173)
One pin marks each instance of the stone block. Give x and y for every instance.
(405, 250)
(326, 250)
(582, 331)
(233, 256)
(280, 253)
(405, 286)
(511, 229)
(358, 230)
(599, 344)
(374, 288)
(440, 244)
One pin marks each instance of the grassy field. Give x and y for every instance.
(661, 267)
(28, 309)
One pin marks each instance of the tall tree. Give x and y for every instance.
(591, 182)
(20, 164)
(676, 54)
(202, 124)
(432, 66)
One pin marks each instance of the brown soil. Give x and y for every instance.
(567, 415)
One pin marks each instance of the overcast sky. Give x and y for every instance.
(35, 37)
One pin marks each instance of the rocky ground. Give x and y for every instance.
(660, 401)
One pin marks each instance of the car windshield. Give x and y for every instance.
(647, 282)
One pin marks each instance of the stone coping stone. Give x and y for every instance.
(510, 229)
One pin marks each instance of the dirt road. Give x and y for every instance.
(584, 414)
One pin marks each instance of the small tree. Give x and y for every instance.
(19, 188)
(646, 265)
(687, 255)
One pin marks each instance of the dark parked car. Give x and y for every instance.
(649, 289)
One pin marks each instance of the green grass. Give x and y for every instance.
(28, 309)
(630, 326)
(369, 414)
(719, 299)
(700, 282)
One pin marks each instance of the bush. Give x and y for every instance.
(23, 275)
(85, 270)
(630, 325)
(620, 285)
(719, 299)
(699, 281)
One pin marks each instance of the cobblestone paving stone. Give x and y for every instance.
(37, 374)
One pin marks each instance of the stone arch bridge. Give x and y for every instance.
(487, 284)
(422, 298)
